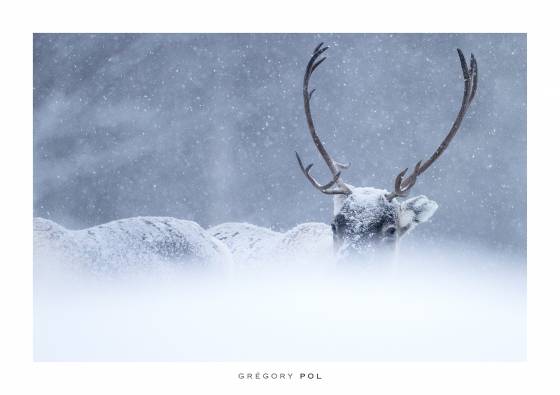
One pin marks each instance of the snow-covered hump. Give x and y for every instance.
(126, 243)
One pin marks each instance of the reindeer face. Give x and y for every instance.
(366, 222)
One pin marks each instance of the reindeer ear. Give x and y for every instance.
(414, 211)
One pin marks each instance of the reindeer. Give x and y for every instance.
(366, 220)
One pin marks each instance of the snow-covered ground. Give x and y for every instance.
(435, 303)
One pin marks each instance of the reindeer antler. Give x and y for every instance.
(334, 166)
(470, 74)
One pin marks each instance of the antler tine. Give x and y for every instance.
(334, 166)
(470, 75)
(401, 190)
(326, 189)
(474, 75)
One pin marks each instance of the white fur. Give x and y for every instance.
(253, 246)
(364, 196)
(248, 243)
(416, 210)
(406, 218)
(128, 244)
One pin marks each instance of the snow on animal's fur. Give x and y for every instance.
(359, 216)
(133, 243)
(254, 246)
(129, 244)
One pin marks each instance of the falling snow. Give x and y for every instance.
(176, 151)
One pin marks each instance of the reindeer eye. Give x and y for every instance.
(391, 230)
(339, 220)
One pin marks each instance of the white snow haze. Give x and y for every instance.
(438, 303)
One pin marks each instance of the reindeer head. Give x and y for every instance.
(369, 219)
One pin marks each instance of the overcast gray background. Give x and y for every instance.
(204, 127)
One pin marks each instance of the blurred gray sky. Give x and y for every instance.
(204, 127)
